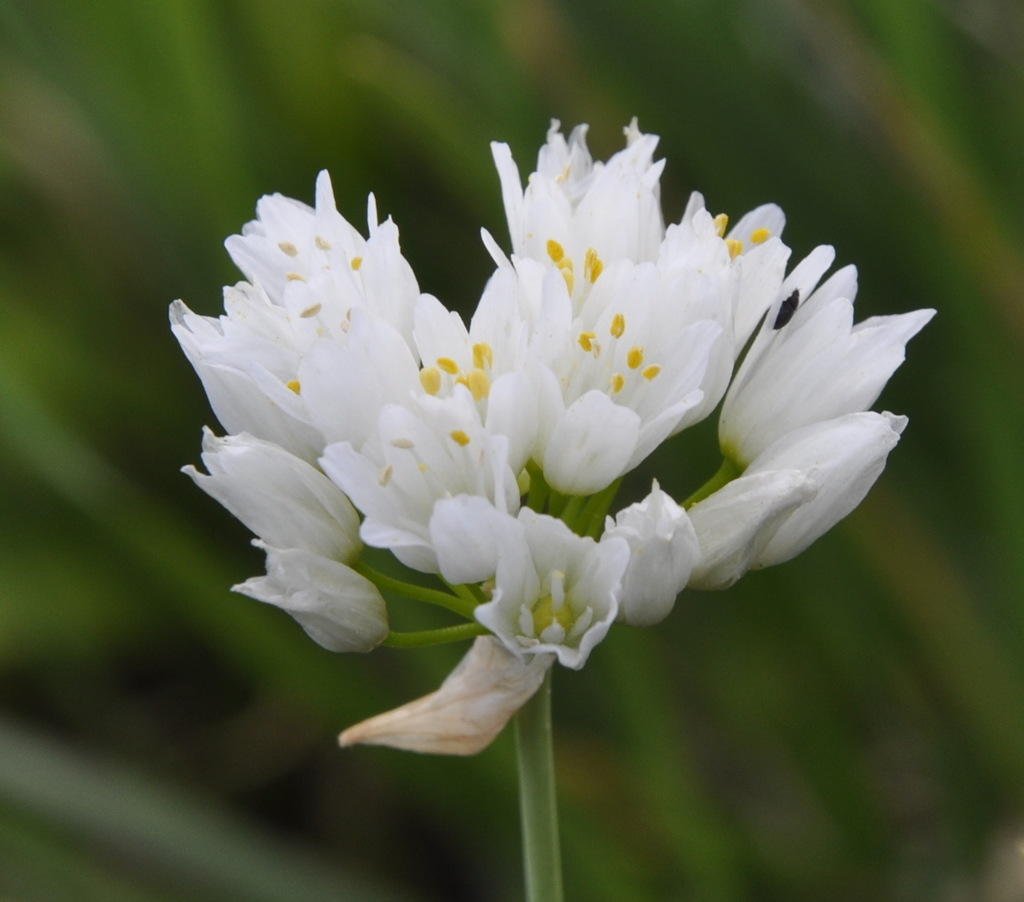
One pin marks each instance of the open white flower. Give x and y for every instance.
(568, 199)
(310, 272)
(554, 592)
(420, 454)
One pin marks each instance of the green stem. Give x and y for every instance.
(421, 638)
(462, 606)
(726, 474)
(538, 807)
(592, 518)
(539, 490)
(571, 512)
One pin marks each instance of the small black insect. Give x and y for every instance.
(786, 309)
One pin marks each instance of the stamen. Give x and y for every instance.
(759, 236)
(483, 355)
(384, 476)
(294, 385)
(649, 372)
(567, 274)
(721, 224)
(586, 340)
(448, 365)
(295, 277)
(357, 262)
(459, 437)
(618, 382)
(555, 251)
(735, 247)
(404, 443)
(310, 311)
(430, 379)
(618, 325)
(322, 243)
(592, 265)
(635, 357)
(479, 384)
(290, 249)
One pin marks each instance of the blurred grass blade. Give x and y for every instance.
(155, 831)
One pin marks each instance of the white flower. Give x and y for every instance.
(814, 367)
(663, 551)
(432, 449)
(337, 607)
(470, 709)
(313, 263)
(554, 591)
(311, 274)
(569, 198)
(310, 533)
(793, 492)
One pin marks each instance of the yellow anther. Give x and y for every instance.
(323, 243)
(384, 476)
(483, 356)
(555, 251)
(430, 379)
(586, 340)
(404, 443)
(618, 325)
(290, 249)
(448, 365)
(618, 382)
(294, 385)
(635, 357)
(479, 384)
(592, 266)
(570, 279)
(310, 311)
(735, 247)
(422, 467)
(459, 437)
(357, 262)
(295, 277)
(759, 236)
(721, 224)
(649, 372)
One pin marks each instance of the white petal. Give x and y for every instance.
(735, 524)
(469, 710)
(663, 552)
(282, 499)
(845, 456)
(590, 445)
(468, 535)
(338, 608)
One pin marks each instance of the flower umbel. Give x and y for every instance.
(486, 458)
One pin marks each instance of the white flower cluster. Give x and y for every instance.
(361, 411)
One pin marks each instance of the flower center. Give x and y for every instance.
(552, 617)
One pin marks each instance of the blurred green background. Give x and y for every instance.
(849, 726)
